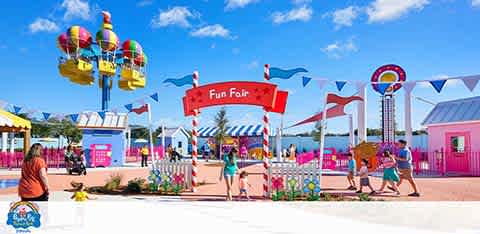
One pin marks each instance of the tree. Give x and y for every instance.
(139, 132)
(317, 133)
(221, 122)
(66, 129)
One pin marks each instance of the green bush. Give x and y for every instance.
(113, 182)
(364, 197)
(327, 197)
(135, 186)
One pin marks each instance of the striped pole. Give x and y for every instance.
(266, 194)
(194, 139)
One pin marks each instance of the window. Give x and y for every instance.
(457, 144)
(179, 145)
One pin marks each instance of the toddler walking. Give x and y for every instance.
(243, 183)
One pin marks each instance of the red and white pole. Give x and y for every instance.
(266, 133)
(194, 139)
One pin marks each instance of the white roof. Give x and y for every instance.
(169, 132)
(111, 120)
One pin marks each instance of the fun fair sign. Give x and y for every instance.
(261, 94)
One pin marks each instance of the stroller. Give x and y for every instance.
(74, 164)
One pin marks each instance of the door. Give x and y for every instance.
(457, 152)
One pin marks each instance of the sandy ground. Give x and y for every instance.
(432, 189)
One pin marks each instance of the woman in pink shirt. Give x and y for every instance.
(390, 174)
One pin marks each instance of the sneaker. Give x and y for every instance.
(351, 188)
(397, 194)
(372, 193)
(414, 194)
(391, 188)
(359, 191)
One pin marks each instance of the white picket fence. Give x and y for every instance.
(173, 168)
(288, 170)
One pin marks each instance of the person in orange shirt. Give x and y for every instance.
(33, 184)
(144, 152)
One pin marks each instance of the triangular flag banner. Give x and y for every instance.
(306, 80)
(60, 116)
(408, 86)
(154, 96)
(438, 84)
(382, 87)
(360, 85)
(17, 109)
(471, 82)
(322, 83)
(115, 110)
(340, 85)
(74, 117)
(46, 115)
(129, 107)
(102, 114)
(141, 101)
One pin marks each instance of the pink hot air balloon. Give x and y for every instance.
(79, 37)
(65, 45)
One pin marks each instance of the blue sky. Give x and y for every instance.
(231, 40)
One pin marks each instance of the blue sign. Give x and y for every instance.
(23, 215)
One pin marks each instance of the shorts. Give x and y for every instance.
(364, 181)
(227, 175)
(242, 190)
(406, 173)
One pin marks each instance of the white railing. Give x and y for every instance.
(288, 170)
(174, 168)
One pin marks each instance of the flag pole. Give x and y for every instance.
(150, 135)
(322, 138)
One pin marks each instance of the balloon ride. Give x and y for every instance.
(81, 52)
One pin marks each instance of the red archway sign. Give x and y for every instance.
(261, 94)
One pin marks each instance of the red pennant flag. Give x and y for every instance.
(140, 110)
(332, 112)
(333, 98)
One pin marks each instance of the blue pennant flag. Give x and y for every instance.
(275, 72)
(129, 107)
(102, 114)
(17, 109)
(306, 80)
(46, 115)
(186, 80)
(438, 84)
(74, 117)
(154, 96)
(382, 87)
(340, 84)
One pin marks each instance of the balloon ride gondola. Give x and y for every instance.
(80, 53)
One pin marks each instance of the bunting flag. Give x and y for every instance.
(129, 107)
(340, 84)
(322, 83)
(186, 80)
(101, 114)
(275, 72)
(360, 85)
(471, 82)
(74, 117)
(3, 104)
(115, 110)
(382, 87)
(17, 109)
(408, 86)
(46, 115)
(154, 97)
(140, 110)
(438, 84)
(306, 80)
(333, 98)
(335, 111)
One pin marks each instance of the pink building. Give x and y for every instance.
(454, 135)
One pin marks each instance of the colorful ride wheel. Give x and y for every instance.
(390, 73)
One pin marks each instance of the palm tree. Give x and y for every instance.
(221, 122)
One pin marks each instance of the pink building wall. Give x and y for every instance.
(437, 134)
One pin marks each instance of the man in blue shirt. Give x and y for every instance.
(351, 172)
(404, 164)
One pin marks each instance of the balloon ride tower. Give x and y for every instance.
(82, 56)
(386, 80)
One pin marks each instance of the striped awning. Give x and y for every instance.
(10, 120)
(234, 131)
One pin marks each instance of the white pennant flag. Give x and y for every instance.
(471, 82)
(321, 83)
(408, 86)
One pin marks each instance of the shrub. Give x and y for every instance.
(364, 197)
(113, 182)
(135, 185)
(327, 197)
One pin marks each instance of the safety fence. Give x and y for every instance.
(54, 157)
(173, 170)
(290, 176)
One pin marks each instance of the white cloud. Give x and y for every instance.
(76, 9)
(299, 2)
(43, 25)
(339, 49)
(476, 3)
(303, 13)
(386, 10)
(215, 30)
(178, 16)
(234, 4)
(144, 3)
(345, 17)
